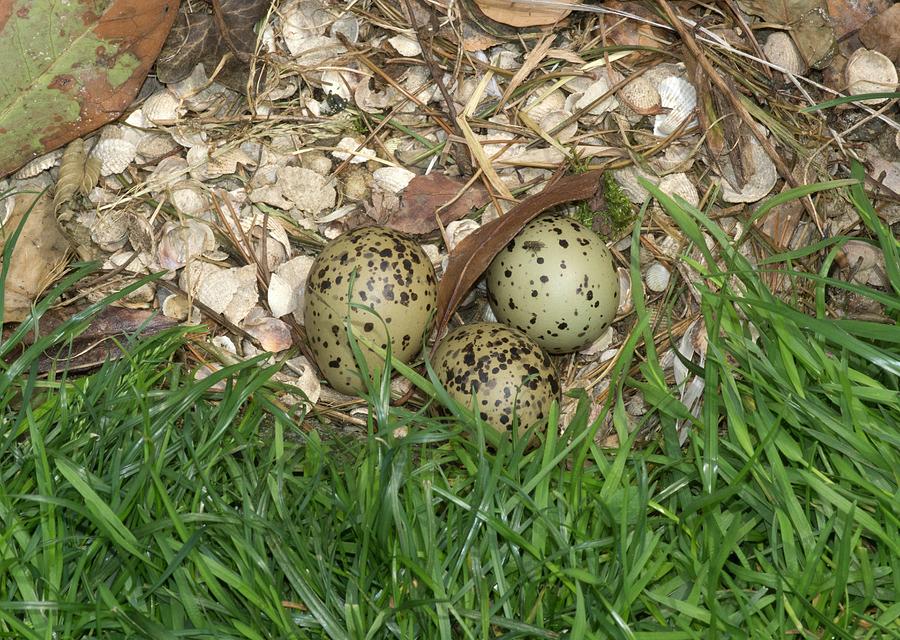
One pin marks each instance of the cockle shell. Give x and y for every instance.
(679, 96)
(287, 286)
(869, 71)
(641, 96)
(781, 50)
(657, 277)
(679, 184)
(168, 172)
(537, 108)
(188, 134)
(115, 150)
(406, 46)
(190, 198)
(39, 164)
(553, 119)
(181, 242)
(761, 176)
(163, 108)
(155, 146)
(392, 179)
(594, 91)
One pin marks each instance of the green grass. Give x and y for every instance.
(135, 502)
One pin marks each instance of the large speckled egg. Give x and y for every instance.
(394, 278)
(506, 370)
(555, 281)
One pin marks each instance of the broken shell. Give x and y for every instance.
(761, 172)
(347, 25)
(163, 108)
(39, 164)
(350, 148)
(196, 92)
(537, 108)
(392, 179)
(640, 96)
(596, 89)
(206, 164)
(677, 157)
(301, 22)
(168, 172)
(373, 101)
(231, 292)
(110, 231)
(406, 46)
(626, 304)
(657, 277)
(156, 146)
(287, 286)
(458, 230)
(679, 184)
(338, 83)
(627, 178)
(188, 134)
(176, 306)
(781, 50)
(273, 334)
(553, 119)
(679, 96)
(869, 71)
(309, 191)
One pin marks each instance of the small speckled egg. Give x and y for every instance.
(504, 368)
(556, 283)
(395, 278)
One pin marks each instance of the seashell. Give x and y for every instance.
(110, 230)
(592, 93)
(231, 292)
(301, 374)
(338, 83)
(373, 101)
(869, 71)
(347, 25)
(626, 304)
(679, 96)
(553, 119)
(537, 108)
(188, 135)
(138, 120)
(301, 22)
(417, 80)
(458, 230)
(640, 96)
(406, 46)
(114, 151)
(315, 51)
(679, 184)
(761, 179)
(167, 173)
(274, 335)
(287, 286)
(206, 165)
(349, 148)
(156, 146)
(897, 140)
(176, 306)
(182, 242)
(677, 157)
(196, 92)
(39, 164)
(163, 108)
(306, 189)
(392, 179)
(781, 50)
(190, 198)
(657, 277)
(627, 179)
(505, 59)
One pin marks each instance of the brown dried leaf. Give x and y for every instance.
(37, 258)
(882, 33)
(849, 15)
(475, 253)
(199, 36)
(424, 195)
(522, 13)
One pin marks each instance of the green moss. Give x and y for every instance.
(612, 220)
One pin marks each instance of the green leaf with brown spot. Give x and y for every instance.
(70, 67)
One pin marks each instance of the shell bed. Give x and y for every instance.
(504, 368)
(395, 278)
(556, 283)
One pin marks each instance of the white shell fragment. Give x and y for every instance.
(537, 107)
(761, 176)
(680, 184)
(553, 119)
(347, 25)
(39, 164)
(593, 92)
(306, 189)
(657, 277)
(405, 45)
(458, 230)
(287, 284)
(231, 292)
(163, 108)
(180, 243)
(869, 71)
(679, 96)
(392, 179)
(350, 148)
(273, 334)
(300, 373)
(781, 50)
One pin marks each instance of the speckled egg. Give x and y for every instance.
(504, 368)
(555, 282)
(394, 278)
